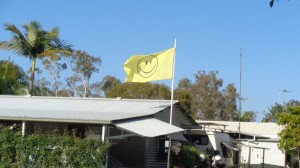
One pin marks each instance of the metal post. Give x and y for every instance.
(104, 140)
(240, 97)
(23, 128)
(171, 109)
(263, 166)
(249, 157)
(103, 133)
(240, 104)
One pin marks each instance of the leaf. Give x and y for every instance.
(271, 3)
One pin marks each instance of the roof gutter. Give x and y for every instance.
(56, 120)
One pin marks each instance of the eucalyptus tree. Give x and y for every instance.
(206, 95)
(183, 93)
(206, 99)
(249, 116)
(272, 114)
(83, 66)
(35, 43)
(108, 83)
(140, 91)
(54, 73)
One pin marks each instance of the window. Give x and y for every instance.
(200, 139)
(77, 130)
(162, 150)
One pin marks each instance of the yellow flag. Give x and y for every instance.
(145, 68)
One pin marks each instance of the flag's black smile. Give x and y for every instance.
(147, 66)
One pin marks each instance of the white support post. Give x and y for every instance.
(104, 140)
(23, 128)
(103, 133)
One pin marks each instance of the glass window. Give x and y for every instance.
(162, 151)
(200, 139)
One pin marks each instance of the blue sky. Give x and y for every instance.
(209, 36)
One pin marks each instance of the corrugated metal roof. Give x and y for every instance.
(251, 128)
(147, 127)
(90, 110)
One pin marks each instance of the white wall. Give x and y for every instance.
(273, 155)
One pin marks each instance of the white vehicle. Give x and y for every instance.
(219, 144)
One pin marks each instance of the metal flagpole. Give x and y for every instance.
(171, 107)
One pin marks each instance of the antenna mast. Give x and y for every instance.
(240, 97)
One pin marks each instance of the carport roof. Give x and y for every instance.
(147, 127)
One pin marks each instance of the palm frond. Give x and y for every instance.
(21, 91)
(13, 29)
(63, 47)
(53, 33)
(34, 25)
(4, 45)
(52, 53)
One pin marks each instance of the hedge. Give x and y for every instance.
(50, 150)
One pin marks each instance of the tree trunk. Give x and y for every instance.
(86, 86)
(31, 86)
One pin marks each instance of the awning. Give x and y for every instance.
(147, 127)
(231, 146)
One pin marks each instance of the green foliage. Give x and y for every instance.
(12, 77)
(184, 97)
(140, 91)
(271, 116)
(10, 141)
(35, 43)
(54, 73)
(183, 94)
(189, 156)
(249, 116)
(205, 99)
(50, 150)
(83, 66)
(109, 82)
(290, 135)
(86, 64)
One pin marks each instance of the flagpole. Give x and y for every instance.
(172, 85)
(171, 106)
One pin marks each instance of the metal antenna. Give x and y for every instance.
(240, 96)
(284, 92)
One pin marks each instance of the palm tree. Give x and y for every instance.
(36, 43)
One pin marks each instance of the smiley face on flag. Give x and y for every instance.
(147, 66)
(151, 67)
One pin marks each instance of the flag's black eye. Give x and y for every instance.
(146, 62)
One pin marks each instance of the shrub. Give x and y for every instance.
(50, 150)
(190, 157)
(9, 147)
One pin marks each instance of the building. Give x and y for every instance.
(257, 142)
(138, 127)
